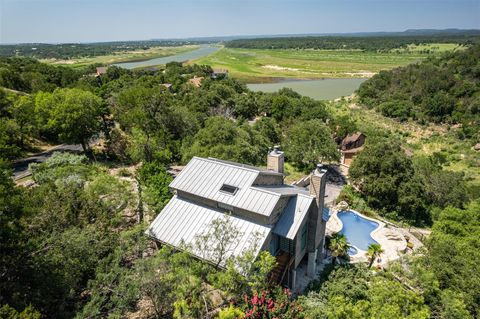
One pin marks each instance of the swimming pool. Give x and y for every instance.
(357, 229)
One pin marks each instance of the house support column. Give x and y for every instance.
(320, 252)
(319, 255)
(294, 279)
(312, 264)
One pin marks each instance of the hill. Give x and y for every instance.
(440, 89)
(377, 42)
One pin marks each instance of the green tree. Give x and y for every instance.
(267, 127)
(453, 256)
(245, 106)
(23, 112)
(29, 312)
(155, 180)
(73, 115)
(148, 114)
(215, 244)
(224, 139)
(12, 238)
(354, 292)
(373, 252)
(308, 143)
(441, 187)
(338, 246)
(385, 176)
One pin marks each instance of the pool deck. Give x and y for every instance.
(391, 239)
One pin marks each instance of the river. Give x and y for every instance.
(182, 57)
(325, 89)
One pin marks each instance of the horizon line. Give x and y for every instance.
(240, 36)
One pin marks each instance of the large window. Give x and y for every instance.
(303, 238)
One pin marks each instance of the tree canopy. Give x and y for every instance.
(309, 143)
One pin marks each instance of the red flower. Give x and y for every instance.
(270, 304)
(255, 299)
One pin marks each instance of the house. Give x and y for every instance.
(196, 81)
(287, 221)
(351, 146)
(101, 70)
(219, 73)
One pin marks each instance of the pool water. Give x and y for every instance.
(357, 229)
(352, 251)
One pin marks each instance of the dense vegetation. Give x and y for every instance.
(365, 43)
(76, 50)
(74, 246)
(440, 89)
(154, 123)
(403, 188)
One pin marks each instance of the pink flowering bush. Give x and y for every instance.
(271, 305)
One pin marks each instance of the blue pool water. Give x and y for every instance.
(357, 229)
(352, 251)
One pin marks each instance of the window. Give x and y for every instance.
(229, 189)
(303, 238)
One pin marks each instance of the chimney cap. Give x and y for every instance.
(320, 169)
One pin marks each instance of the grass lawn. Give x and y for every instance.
(252, 65)
(130, 56)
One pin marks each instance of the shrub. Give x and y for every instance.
(230, 313)
(270, 305)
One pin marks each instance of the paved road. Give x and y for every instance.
(20, 167)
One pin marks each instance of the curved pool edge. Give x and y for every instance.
(360, 252)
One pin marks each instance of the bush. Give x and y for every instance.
(230, 313)
(270, 305)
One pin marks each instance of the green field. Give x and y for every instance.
(431, 47)
(268, 65)
(130, 56)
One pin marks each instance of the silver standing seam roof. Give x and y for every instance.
(293, 216)
(204, 177)
(181, 221)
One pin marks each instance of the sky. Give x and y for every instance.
(56, 21)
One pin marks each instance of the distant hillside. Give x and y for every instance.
(378, 41)
(409, 32)
(441, 89)
(75, 50)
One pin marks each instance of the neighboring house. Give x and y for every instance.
(101, 70)
(219, 73)
(351, 146)
(287, 221)
(196, 81)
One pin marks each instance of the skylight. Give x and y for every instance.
(229, 189)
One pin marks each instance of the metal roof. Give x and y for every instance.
(254, 168)
(284, 189)
(181, 221)
(204, 177)
(293, 216)
(326, 214)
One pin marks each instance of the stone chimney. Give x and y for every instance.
(317, 184)
(316, 224)
(275, 160)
